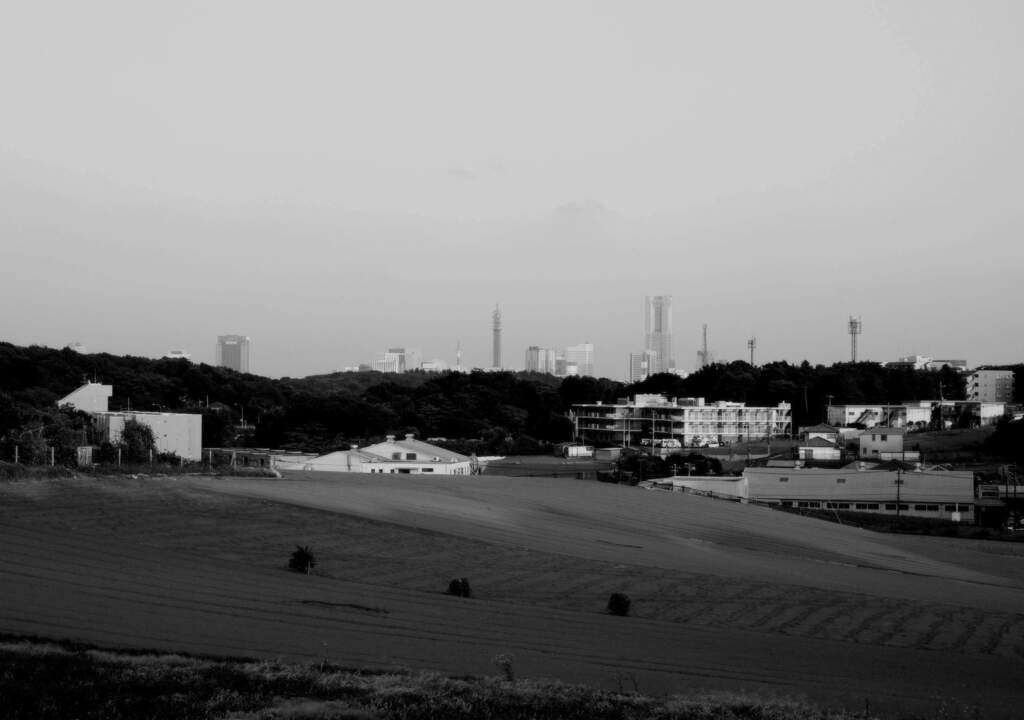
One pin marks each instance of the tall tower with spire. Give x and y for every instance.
(497, 337)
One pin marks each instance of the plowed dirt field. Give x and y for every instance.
(725, 596)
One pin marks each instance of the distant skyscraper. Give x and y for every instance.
(233, 352)
(640, 365)
(658, 332)
(582, 356)
(540, 359)
(497, 337)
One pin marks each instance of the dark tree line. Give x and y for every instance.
(501, 412)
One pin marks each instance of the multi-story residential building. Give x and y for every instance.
(918, 414)
(233, 351)
(658, 332)
(907, 415)
(691, 421)
(582, 356)
(990, 385)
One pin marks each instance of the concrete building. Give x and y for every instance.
(691, 421)
(907, 415)
(234, 352)
(435, 365)
(918, 415)
(582, 356)
(936, 494)
(990, 385)
(938, 363)
(885, 443)
(658, 332)
(540, 360)
(178, 355)
(406, 456)
(178, 433)
(91, 398)
(819, 449)
(640, 365)
(825, 432)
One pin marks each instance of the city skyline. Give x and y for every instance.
(814, 163)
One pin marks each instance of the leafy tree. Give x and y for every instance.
(618, 604)
(302, 560)
(137, 441)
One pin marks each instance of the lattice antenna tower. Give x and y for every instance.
(751, 344)
(704, 355)
(855, 330)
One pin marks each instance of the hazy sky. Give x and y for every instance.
(335, 178)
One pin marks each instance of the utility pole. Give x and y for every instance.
(899, 481)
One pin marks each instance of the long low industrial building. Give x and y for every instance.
(407, 456)
(937, 494)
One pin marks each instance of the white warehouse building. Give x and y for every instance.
(407, 456)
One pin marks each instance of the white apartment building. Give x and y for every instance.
(985, 385)
(691, 421)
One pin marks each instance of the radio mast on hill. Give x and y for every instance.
(497, 337)
(704, 355)
(855, 330)
(752, 343)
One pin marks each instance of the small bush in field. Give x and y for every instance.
(302, 560)
(459, 587)
(618, 604)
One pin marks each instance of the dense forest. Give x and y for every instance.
(502, 412)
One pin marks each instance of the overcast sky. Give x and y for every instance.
(335, 178)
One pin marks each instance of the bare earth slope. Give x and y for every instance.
(725, 596)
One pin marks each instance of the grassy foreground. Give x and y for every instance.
(42, 679)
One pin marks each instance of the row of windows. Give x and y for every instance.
(920, 507)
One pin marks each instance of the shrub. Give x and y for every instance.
(302, 560)
(459, 587)
(618, 604)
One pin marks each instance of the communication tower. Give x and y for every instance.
(704, 355)
(855, 330)
(497, 336)
(752, 343)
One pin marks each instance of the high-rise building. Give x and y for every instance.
(497, 337)
(233, 352)
(540, 359)
(582, 356)
(640, 365)
(658, 332)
